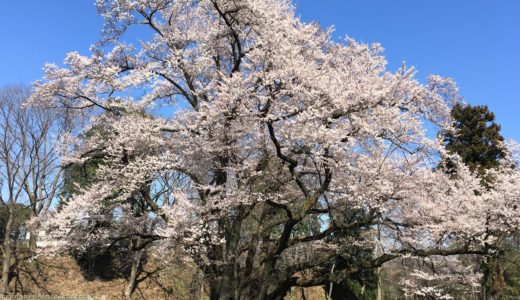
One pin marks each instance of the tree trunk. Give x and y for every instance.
(271, 288)
(33, 234)
(379, 295)
(7, 253)
(340, 291)
(132, 279)
(221, 289)
(214, 290)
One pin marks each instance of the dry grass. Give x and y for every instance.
(61, 276)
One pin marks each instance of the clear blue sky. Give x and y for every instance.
(477, 42)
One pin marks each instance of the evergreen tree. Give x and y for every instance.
(477, 140)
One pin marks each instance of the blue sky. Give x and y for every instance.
(477, 42)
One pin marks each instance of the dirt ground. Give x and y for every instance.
(62, 276)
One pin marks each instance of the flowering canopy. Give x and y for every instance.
(274, 124)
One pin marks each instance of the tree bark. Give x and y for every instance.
(134, 272)
(7, 251)
(33, 234)
(214, 290)
(341, 291)
(222, 289)
(379, 295)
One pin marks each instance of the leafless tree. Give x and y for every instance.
(29, 167)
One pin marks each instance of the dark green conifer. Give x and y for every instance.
(477, 140)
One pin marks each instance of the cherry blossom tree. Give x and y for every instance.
(270, 123)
